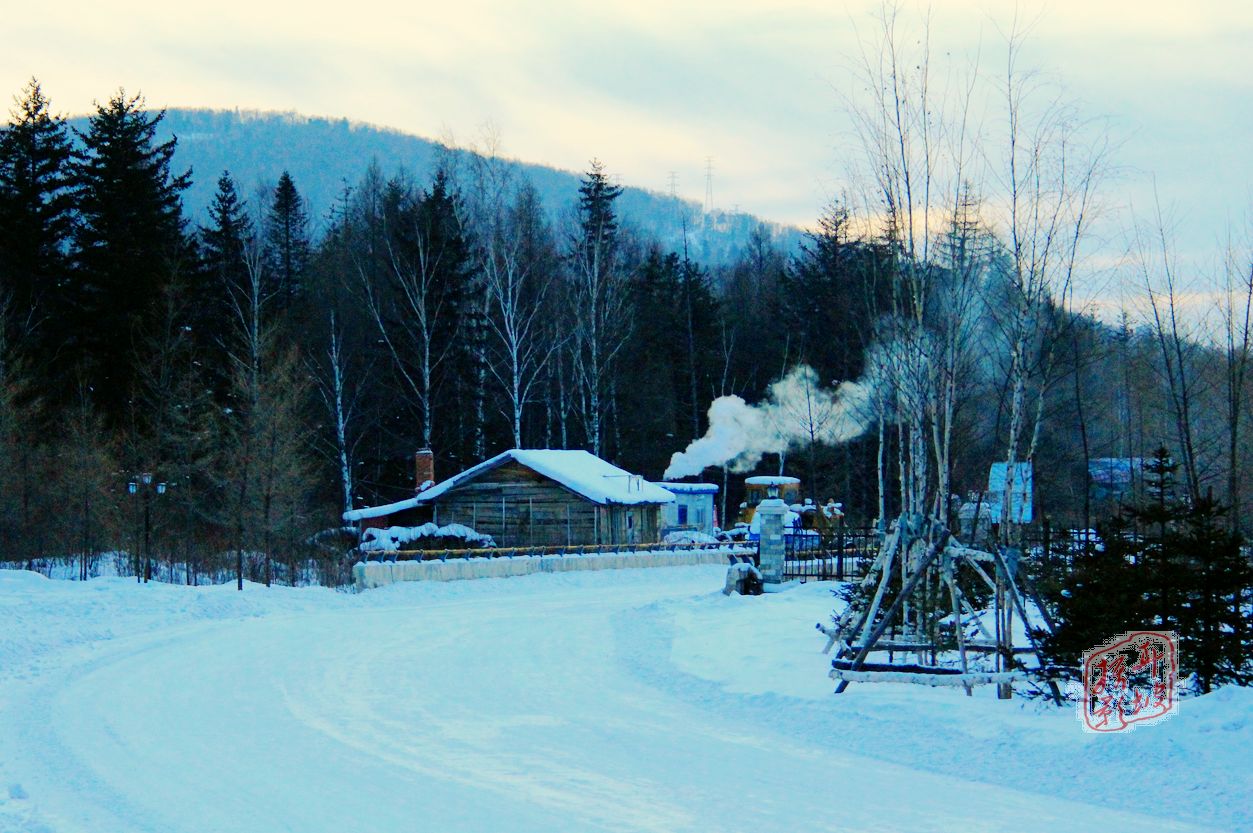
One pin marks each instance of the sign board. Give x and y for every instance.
(1020, 494)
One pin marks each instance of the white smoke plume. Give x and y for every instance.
(795, 408)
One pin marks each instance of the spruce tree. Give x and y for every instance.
(598, 220)
(599, 291)
(670, 380)
(833, 288)
(1105, 593)
(286, 242)
(417, 293)
(653, 424)
(1210, 613)
(128, 242)
(458, 326)
(1166, 564)
(35, 209)
(224, 247)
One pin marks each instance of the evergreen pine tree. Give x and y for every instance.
(35, 209)
(597, 217)
(458, 328)
(1215, 577)
(653, 422)
(128, 242)
(224, 246)
(1158, 519)
(286, 242)
(600, 295)
(1104, 594)
(417, 293)
(1166, 564)
(670, 380)
(833, 289)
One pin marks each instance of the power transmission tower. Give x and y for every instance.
(709, 184)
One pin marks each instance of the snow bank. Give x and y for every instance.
(591, 701)
(368, 575)
(1193, 768)
(40, 616)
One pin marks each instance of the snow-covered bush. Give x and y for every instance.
(689, 536)
(426, 536)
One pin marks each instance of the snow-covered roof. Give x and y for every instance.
(768, 480)
(689, 488)
(369, 512)
(580, 472)
(577, 470)
(1114, 471)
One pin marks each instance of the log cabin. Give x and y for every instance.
(535, 497)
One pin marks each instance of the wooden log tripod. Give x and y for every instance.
(860, 629)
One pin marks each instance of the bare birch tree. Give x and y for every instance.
(262, 452)
(1050, 173)
(918, 144)
(518, 267)
(415, 312)
(1237, 320)
(341, 397)
(1182, 361)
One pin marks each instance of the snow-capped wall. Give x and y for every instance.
(378, 574)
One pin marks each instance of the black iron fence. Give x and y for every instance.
(829, 555)
(542, 550)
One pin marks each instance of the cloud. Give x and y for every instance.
(653, 86)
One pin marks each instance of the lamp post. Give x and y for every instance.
(144, 485)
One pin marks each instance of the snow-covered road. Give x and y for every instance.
(617, 701)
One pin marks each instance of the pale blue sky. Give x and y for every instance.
(650, 88)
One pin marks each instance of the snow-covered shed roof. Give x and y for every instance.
(368, 512)
(768, 480)
(579, 471)
(689, 488)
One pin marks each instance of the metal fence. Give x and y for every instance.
(830, 555)
(535, 551)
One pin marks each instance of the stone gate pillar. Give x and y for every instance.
(772, 512)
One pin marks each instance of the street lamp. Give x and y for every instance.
(143, 485)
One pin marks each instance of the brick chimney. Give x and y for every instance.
(423, 469)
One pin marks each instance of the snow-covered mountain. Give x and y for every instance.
(326, 155)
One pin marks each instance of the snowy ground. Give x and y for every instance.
(639, 700)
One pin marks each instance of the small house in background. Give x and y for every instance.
(1022, 487)
(536, 497)
(692, 510)
(1113, 479)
